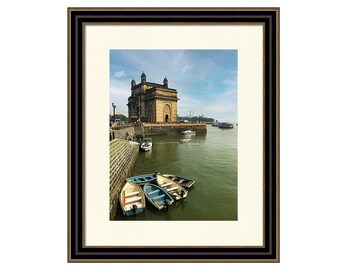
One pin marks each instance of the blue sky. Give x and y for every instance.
(206, 80)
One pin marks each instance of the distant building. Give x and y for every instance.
(152, 102)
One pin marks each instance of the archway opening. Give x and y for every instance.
(167, 113)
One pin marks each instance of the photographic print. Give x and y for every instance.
(173, 134)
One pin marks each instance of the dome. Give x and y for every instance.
(143, 77)
(165, 82)
(133, 83)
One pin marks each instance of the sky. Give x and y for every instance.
(206, 80)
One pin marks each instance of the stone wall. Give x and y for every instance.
(164, 107)
(126, 132)
(176, 128)
(139, 131)
(123, 155)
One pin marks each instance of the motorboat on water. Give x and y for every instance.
(146, 144)
(226, 125)
(184, 140)
(187, 132)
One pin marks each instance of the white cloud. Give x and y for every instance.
(119, 74)
(222, 107)
(119, 93)
(187, 68)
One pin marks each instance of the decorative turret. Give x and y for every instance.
(143, 77)
(133, 84)
(165, 82)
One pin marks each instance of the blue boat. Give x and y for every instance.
(132, 199)
(142, 179)
(157, 196)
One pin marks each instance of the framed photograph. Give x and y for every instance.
(173, 134)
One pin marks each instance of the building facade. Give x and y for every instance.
(152, 102)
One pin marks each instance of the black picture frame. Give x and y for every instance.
(77, 18)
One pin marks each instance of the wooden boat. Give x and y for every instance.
(142, 179)
(184, 140)
(184, 182)
(175, 190)
(146, 144)
(132, 199)
(158, 197)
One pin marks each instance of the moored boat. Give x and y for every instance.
(175, 190)
(142, 179)
(146, 144)
(132, 199)
(158, 197)
(226, 125)
(187, 132)
(184, 140)
(184, 182)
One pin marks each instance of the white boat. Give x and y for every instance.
(184, 140)
(175, 190)
(146, 144)
(187, 132)
(132, 199)
(184, 182)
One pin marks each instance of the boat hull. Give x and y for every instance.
(184, 182)
(226, 125)
(158, 197)
(142, 179)
(176, 191)
(184, 140)
(146, 145)
(187, 132)
(134, 213)
(132, 200)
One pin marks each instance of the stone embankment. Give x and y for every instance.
(123, 155)
(134, 132)
(176, 128)
(126, 132)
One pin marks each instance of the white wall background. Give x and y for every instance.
(33, 141)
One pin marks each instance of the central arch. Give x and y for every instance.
(167, 113)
